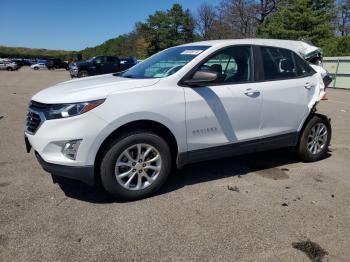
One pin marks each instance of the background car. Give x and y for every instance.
(100, 65)
(56, 63)
(9, 66)
(39, 65)
(19, 62)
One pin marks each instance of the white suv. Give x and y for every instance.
(188, 103)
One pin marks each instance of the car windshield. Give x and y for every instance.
(91, 59)
(164, 63)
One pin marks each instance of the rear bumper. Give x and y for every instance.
(82, 173)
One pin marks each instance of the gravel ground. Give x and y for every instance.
(249, 208)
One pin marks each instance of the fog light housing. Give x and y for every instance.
(70, 149)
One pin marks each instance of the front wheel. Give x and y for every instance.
(9, 69)
(135, 166)
(83, 73)
(315, 138)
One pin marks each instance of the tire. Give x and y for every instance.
(9, 69)
(115, 177)
(83, 73)
(36, 68)
(314, 139)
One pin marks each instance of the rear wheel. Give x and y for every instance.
(135, 166)
(36, 68)
(315, 138)
(83, 73)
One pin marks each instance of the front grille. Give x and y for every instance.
(35, 116)
(33, 122)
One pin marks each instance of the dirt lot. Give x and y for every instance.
(250, 208)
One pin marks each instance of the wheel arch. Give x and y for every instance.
(84, 70)
(149, 125)
(312, 113)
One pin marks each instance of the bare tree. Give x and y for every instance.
(239, 17)
(205, 19)
(344, 17)
(265, 8)
(233, 18)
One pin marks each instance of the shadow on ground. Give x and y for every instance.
(267, 163)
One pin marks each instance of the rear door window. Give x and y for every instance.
(278, 63)
(111, 59)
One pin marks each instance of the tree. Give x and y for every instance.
(205, 20)
(130, 44)
(344, 17)
(301, 19)
(265, 8)
(336, 46)
(164, 29)
(23, 52)
(238, 18)
(233, 18)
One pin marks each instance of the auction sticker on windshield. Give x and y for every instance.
(191, 52)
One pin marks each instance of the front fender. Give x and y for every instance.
(136, 116)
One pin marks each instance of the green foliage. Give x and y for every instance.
(160, 31)
(123, 45)
(24, 52)
(307, 20)
(336, 46)
(301, 19)
(166, 29)
(312, 20)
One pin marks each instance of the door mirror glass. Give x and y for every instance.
(202, 78)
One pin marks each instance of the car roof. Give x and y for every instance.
(300, 47)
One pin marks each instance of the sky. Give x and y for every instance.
(75, 24)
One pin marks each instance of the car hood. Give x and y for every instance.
(89, 88)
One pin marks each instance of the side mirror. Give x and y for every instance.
(202, 78)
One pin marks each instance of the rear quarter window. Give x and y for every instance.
(303, 68)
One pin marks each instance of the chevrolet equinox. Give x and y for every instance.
(185, 104)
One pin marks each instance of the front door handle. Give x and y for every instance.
(308, 85)
(252, 93)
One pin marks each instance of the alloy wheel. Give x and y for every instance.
(317, 138)
(138, 166)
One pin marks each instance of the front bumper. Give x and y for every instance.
(73, 72)
(81, 173)
(51, 136)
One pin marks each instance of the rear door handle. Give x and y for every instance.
(252, 93)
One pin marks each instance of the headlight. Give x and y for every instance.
(67, 110)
